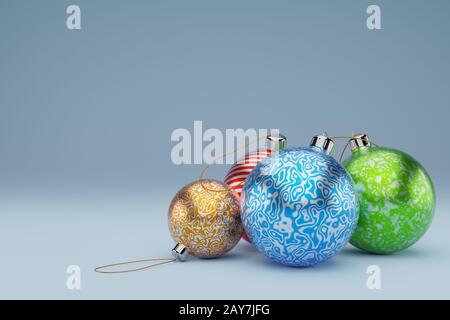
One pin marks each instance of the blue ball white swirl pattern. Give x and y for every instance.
(299, 208)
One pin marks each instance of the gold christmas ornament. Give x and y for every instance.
(204, 219)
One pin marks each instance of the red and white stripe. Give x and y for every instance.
(242, 168)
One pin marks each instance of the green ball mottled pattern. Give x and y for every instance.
(396, 198)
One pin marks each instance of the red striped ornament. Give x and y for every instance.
(237, 174)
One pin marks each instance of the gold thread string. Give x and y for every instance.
(162, 261)
(348, 142)
(202, 173)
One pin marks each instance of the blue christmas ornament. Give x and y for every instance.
(299, 206)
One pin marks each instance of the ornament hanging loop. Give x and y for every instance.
(155, 262)
(355, 140)
(202, 173)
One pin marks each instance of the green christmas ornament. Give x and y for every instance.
(396, 197)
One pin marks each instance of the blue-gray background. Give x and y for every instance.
(86, 118)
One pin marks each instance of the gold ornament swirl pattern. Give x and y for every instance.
(205, 217)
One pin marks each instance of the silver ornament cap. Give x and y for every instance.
(359, 140)
(180, 252)
(323, 142)
(276, 141)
